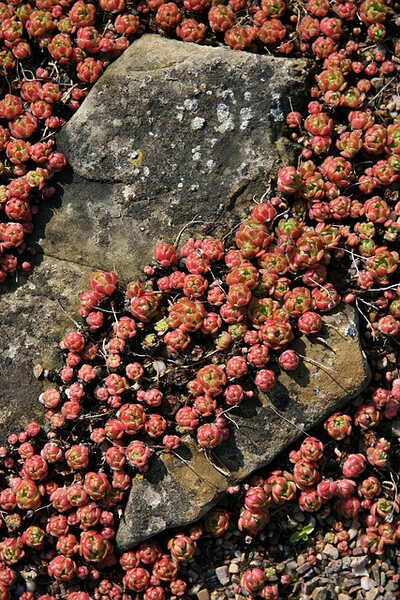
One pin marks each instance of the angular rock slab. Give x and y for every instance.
(170, 131)
(181, 487)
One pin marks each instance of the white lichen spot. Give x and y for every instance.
(247, 95)
(194, 187)
(146, 171)
(228, 93)
(210, 164)
(225, 118)
(196, 156)
(198, 123)
(128, 194)
(191, 104)
(180, 185)
(209, 92)
(246, 114)
(179, 117)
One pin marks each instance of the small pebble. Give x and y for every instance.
(234, 568)
(375, 571)
(350, 582)
(309, 586)
(334, 567)
(367, 583)
(346, 562)
(300, 518)
(203, 595)
(291, 522)
(371, 594)
(331, 551)
(222, 575)
(192, 575)
(391, 586)
(302, 569)
(358, 568)
(390, 596)
(396, 428)
(354, 530)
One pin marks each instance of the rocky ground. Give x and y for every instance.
(145, 427)
(315, 567)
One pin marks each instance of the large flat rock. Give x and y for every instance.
(181, 119)
(170, 131)
(179, 488)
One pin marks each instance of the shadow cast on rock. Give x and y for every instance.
(49, 205)
(40, 221)
(157, 471)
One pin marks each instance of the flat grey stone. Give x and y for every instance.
(143, 167)
(222, 574)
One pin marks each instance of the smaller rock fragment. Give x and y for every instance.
(222, 574)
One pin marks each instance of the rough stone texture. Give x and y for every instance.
(32, 323)
(180, 488)
(136, 181)
(170, 131)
